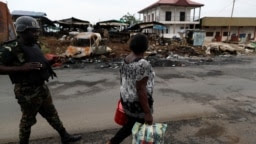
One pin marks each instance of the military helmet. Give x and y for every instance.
(26, 22)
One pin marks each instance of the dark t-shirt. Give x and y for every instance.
(34, 54)
(17, 55)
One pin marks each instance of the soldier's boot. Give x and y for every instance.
(24, 142)
(24, 137)
(67, 138)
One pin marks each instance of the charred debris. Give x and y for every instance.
(106, 44)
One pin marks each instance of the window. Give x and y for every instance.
(145, 19)
(225, 33)
(153, 17)
(157, 18)
(168, 16)
(209, 34)
(182, 16)
(181, 27)
(217, 34)
(249, 36)
(148, 18)
(166, 31)
(243, 35)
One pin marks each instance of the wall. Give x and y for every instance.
(233, 30)
(173, 26)
(175, 15)
(172, 31)
(154, 11)
(159, 13)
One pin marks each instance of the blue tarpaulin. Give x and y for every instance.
(159, 27)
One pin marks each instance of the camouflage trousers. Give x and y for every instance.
(33, 100)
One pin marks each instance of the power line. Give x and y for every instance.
(227, 6)
(233, 6)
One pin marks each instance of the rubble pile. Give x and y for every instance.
(167, 55)
(249, 47)
(187, 51)
(221, 48)
(53, 45)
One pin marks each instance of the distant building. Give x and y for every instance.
(217, 28)
(43, 21)
(176, 15)
(72, 24)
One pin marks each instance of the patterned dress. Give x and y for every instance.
(130, 73)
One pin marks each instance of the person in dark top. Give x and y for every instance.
(28, 70)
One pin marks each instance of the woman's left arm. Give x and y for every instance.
(142, 94)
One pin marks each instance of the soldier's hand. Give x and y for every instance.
(31, 66)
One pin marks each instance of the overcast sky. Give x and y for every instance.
(99, 10)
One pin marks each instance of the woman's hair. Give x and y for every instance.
(139, 43)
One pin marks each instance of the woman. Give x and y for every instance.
(137, 81)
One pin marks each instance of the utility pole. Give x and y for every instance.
(231, 19)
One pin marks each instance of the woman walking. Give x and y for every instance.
(137, 82)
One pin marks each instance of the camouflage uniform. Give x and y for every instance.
(32, 98)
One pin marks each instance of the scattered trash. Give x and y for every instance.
(83, 49)
(251, 45)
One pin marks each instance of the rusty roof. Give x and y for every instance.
(227, 21)
(184, 3)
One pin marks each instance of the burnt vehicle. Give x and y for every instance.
(86, 44)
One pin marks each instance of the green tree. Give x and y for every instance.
(130, 19)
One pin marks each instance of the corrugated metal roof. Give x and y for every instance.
(111, 23)
(37, 15)
(28, 13)
(73, 21)
(185, 3)
(144, 25)
(226, 21)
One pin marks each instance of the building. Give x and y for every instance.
(217, 28)
(43, 21)
(72, 24)
(176, 15)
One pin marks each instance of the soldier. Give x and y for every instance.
(28, 70)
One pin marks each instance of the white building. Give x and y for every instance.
(176, 15)
(217, 28)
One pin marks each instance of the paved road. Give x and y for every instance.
(86, 98)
